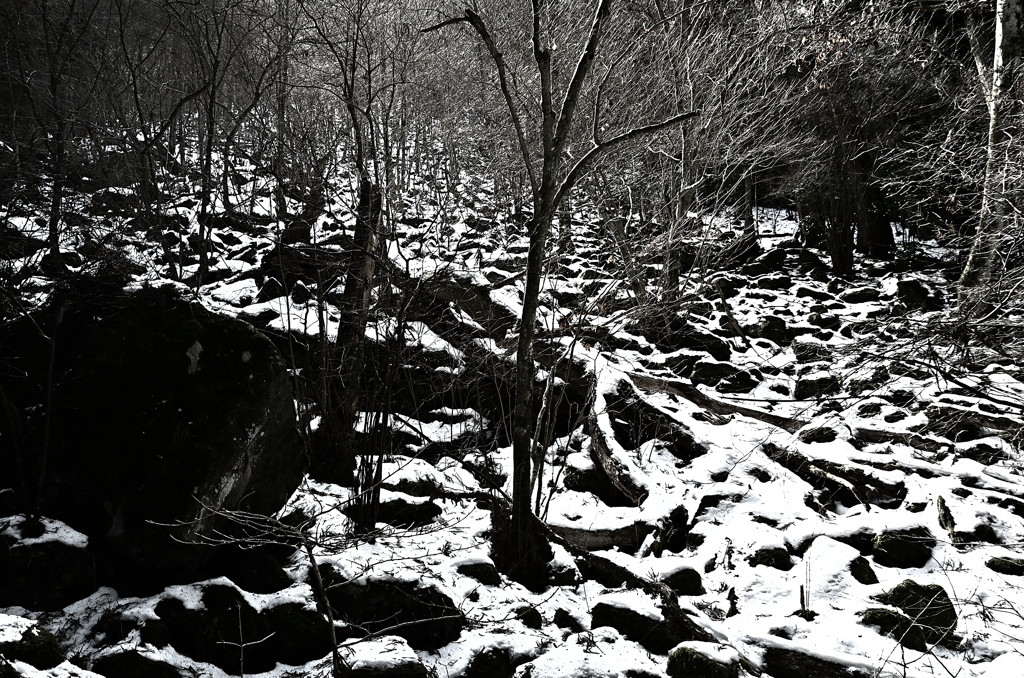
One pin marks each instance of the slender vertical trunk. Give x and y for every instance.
(57, 197)
(356, 301)
(981, 263)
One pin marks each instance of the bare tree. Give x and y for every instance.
(1009, 45)
(552, 172)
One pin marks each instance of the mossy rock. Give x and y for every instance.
(293, 633)
(131, 664)
(816, 386)
(37, 647)
(429, 619)
(405, 669)
(685, 581)
(772, 556)
(821, 434)
(45, 576)
(860, 569)
(482, 571)
(564, 620)
(710, 372)
(1010, 566)
(859, 295)
(491, 662)
(772, 328)
(928, 605)
(898, 625)
(655, 635)
(211, 427)
(687, 662)
(909, 548)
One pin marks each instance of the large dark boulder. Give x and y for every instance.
(162, 414)
(43, 565)
(289, 633)
(426, 617)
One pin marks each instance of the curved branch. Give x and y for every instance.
(604, 147)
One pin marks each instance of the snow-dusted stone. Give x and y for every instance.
(928, 605)
(424, 615)
(907, 548)
(1009, 566)
(163, 414)
(897, 625)
(708, 660)
(859, 295)
(291, 632)
(402, 511)
(684, 580)
(816, 385)
(133, 664)
(44, 564)
(915, 294)
(387, 657)
(772, 328)
(25, 641)
(638, 618)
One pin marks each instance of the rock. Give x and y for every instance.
(915, 294)
(491, 662)
(33, 645)
(430, 618)
(730, 286)
(929, 606)
(772, 556)
(811, 351)
(820, 434)
(791, 662)
(255, 570)
(626, 538)
(293, 633)
(899, 626)
(689, 660)
(808, 293)
(903, 548)
(772, 328)
(697, 339)
(710, 372)
(131, 664)
(741, 382)
(46, 571)
(530, 616)
(481, 570)
(816, 385)
(685, 581)
(398, 511)
(828, 322)
(655, 635)
(808, 260)
(860, 569)
(1010, 566)
(859, 295)
(142, 465)
(564, 620)
(774, 282)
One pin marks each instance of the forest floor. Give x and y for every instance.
(782, 449)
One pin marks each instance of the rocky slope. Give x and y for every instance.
(769, 473)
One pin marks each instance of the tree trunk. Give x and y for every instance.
(356, 301)
(981, 262)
